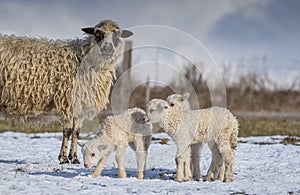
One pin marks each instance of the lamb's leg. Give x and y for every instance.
(73, 150)
(141, 145)
(179, 168)
(183, 163)
(64, 146)
(187, 164)
(195, 164)
(120, 154)
(228, 158)
(215, 170)
(98, 168)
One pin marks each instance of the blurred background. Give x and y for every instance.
(255, 45)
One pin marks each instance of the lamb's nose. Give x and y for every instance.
(86, 166)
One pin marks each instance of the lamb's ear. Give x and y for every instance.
(185, 96)
(164, 105)
(89, 30)
(81, 144)
(102, 147)
(126, 33)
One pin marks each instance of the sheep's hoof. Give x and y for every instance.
(75, 161)
(121, 174)
(93, 175)
(140, 174)
(187, 179)
(63, 160)
(228, 180)
(196, 178)
(178, 179)
(209, 178)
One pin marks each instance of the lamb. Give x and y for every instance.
(64, 80)
(115, 133)
(213, 125)
(181, 103)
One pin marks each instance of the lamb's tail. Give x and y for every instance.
(235, 132)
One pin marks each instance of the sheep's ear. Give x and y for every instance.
(102, 147)
(81, 144)
(185, 96)
(90, 31)
(126, 33)
(164, 106)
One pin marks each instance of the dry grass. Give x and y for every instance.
(268, 127)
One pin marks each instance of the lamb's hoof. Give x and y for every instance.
(63, 160)
(93, 176)
(178, 179)
(209, 179)
(140, 174)
(228, 180)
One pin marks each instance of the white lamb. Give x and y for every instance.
(115, 133)
(213, 125)
(180, 102)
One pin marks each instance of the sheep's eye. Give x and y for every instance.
(93, 155)
(99, 35)
(172, 104)
(152, 110)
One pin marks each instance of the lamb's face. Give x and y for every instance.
(92, 153)
(107, 36)
(156, 109)
(179, 102)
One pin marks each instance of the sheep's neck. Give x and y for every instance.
(171, 122)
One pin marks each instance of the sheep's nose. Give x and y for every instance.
(146, 119)
(86, 166)
(107, 48)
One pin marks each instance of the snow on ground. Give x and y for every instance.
(29, 165)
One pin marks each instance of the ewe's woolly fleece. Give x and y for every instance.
(39, 80)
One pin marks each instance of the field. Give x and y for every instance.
(29, 165)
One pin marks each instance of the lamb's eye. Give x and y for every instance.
(93, 155)
(172, 104)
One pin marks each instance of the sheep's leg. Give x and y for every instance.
(179, 168)
(141, 145)
(215, 170)
(228, 158)
(187, 164)
(64, 146)
(73, 150)
(195, 164)
(98, 168)
(120, 154)
(183, 163)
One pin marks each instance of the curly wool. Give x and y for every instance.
(36, 77)
(42, 80)
(212, 124)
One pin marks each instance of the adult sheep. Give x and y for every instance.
(215, 124)
(64, 80)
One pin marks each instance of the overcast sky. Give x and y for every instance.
(253, 32)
